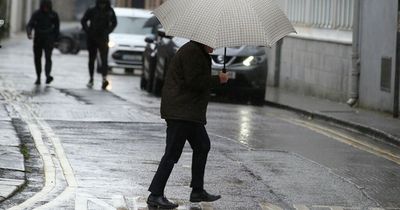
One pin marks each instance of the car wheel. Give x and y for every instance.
(129, 70)
(157, 86)
(143, 83)
(65, 45)
(75, 51)
(258, 99)
(149, 85)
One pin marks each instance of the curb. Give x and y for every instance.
(370, 131)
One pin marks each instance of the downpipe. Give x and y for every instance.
(355, 72)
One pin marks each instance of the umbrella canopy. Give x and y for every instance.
(225, 23)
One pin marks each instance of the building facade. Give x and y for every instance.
(318, 60)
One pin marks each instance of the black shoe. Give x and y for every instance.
(90, 83)
(37, 82)
(49, 79)
(105, 84)
(160, 202)
(203, 196)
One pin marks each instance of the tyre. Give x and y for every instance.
(65, 45)
(75, 50)
(258, 99)
(129, 70)
(149, 85)
(143, 83)
(157, 86)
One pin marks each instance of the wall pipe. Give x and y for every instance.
(355, 72)
(397, 68)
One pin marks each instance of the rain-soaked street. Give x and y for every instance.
(93, 149)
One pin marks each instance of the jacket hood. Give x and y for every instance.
(107, 2)
(46, 3)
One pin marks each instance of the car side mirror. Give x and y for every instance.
(149, 39)
(161, 33)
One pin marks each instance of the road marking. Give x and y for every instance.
(346, 139)
(82, 201)
(39, 129)
(331, 207)
(300, 207)
(49, 169)
(269, 206)
(119, 202)
(139, 203)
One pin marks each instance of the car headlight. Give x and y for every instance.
(254, 60)
(111, 44)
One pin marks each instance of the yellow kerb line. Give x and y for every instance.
(346, 139)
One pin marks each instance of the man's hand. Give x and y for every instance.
(223, 77)
(29, 36)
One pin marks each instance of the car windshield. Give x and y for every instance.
(131, 25)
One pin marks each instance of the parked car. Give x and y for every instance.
(158, 53)
(246, 66)
(126, 45)
(247, 69)
(127, 41)
(71, 40)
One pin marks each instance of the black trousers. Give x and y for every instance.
(177, 134)
(40, 45)
(100, 45)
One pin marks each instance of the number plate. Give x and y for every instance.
(231, 74)
(132, 57)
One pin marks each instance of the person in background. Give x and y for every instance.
(98, 22)
(46, 26)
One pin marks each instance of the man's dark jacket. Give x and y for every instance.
(187, 85)
(45, 24)
(102, 21)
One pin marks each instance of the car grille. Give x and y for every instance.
(218, 59)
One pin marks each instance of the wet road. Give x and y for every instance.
(94, 149)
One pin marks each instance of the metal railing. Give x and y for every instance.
(329, 14)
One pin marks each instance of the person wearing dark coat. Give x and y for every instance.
(102, 21)
(46, 25)
(184, 101)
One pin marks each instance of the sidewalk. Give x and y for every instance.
(376, 124)
(12, 166)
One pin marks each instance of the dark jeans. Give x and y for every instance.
(177, 134)
(40, 45)
(100, 45)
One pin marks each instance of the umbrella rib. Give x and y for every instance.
(255, 12)
(219, 28)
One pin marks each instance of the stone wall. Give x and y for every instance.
(65, 9)
(315, 68)
(378, 40)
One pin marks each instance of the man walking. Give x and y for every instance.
(46, 24)
(102, 21)
(183, 105)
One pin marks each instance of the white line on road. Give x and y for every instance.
(300, 207)
(49, 169)
(38, 130)
(82, 200)
(119, 202)
(269, 206)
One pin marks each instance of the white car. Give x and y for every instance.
(126, 44)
